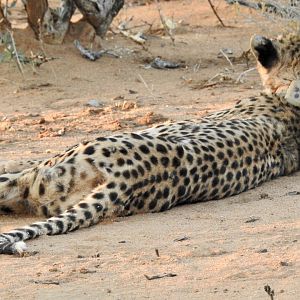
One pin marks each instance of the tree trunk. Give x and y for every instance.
(50, 25)
(36, 10)
(99, 13)
(4, 23)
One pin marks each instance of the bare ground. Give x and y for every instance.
(227, 249)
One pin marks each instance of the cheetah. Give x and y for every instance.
(155, 169)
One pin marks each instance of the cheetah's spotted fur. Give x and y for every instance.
(223, 154)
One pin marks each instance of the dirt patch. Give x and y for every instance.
(226, 249)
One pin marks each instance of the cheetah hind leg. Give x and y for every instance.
(101, 203)
(12, 166)
(10, 200)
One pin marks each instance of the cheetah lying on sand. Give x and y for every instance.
(223, 154)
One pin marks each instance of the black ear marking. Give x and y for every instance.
(264, 51)
(3, 179)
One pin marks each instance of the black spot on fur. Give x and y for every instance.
(113, 196)
(88, 215)
(137, 136)
(126, 174)
(89, 150)
(154, 160)
(175, 162)
(180, 151)
(152, 204)
(137, 156)
(144, 149)
(165, 161)
(98, 196)
(161, 148)
(120, 162)
(106, 152)
(248, 160)
(141, 170)
(83, 205)
(165, 206)
(181, 191)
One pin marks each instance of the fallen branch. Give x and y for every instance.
(289, 12)
(93, 55)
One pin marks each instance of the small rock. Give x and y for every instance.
(42, 121)
(293, 193)
(86, 271)
(252, 220)
(119, 97)
(262, 251)
(5, 126)
(53, 270)
(284, 263)
(94, 103)
(33, 115)
(264, 196)
(132, 92)
(61, 132)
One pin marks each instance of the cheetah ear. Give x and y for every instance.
(292, 95)
(264, 51)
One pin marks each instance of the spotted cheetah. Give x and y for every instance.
(153, 170)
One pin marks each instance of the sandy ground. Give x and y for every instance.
(227, 249)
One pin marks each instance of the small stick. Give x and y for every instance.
(162, 19)
(160, 276)
(54, 282)
(16, 52)
(227, 58)
(215, 12)
(146, 86)
(243, 74)
(156, 252)
(269, 291)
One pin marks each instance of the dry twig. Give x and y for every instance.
(160, 276)
(227, 58)
(269, 291)
(16, 52)
(163, 22)
(242, 75)
(215, 12)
